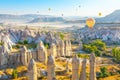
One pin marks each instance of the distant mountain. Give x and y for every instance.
(47, 19)
(35, 18)
(19, 18)
(111, 18)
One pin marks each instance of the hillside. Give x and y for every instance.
(114, 17)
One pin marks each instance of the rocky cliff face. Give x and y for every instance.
(11, 37)
(109, 35)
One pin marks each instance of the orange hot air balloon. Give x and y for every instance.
(90, 22)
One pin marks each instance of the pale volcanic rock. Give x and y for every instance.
(75, 67)
(110, 35)
(92, 67)
(53, 50)
(24, 56)
(32, 70)
(50, 68)
(62, 48)
(3, 56)
(42, 52)
(83, 70)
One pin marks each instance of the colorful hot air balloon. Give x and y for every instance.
(100, 14)
(90, 22)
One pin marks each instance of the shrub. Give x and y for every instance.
(83, 56)
(25, 41)
(1, 43)
(32, 46)
(116, 54)
(61, 36)
(99, 44)
(17, 46)
(46, 45)
(98, 53)
(88, 48)
(19, 42)
(103, 72)
(96, 47)
(14, 74)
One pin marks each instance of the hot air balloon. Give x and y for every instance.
(62, 14)
(90, 22)
(100, 14)
(37, 11)
(49, 9)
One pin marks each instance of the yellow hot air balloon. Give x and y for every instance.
(90, 22)
(100, 14)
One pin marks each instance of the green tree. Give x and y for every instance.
(25, 41)
(99, 44)
(61, 36)
(116, 54)
(103, 72)
(96, 47)
(92, 49)
(14, 74)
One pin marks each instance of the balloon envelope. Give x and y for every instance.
(90, 22)
(100, 14)
(49, 9)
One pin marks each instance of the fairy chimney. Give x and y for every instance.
(32, 70)
(83, 70)
(50, 68)
(92, 67)
(75, 67)
(41, 52)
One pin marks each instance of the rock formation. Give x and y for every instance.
(29, 56)
(53, 50)
(58, 49)
(62, 48)
(32, 70)
(41, 52)
(106, 34)
(3, 57)
(70, 48)
(66, 48)
(24, 56)
(80, 45)
(83, 70)
(68, 51)
(50, 68)
(92, 67)
(75, 67)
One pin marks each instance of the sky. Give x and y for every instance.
(59, 7)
